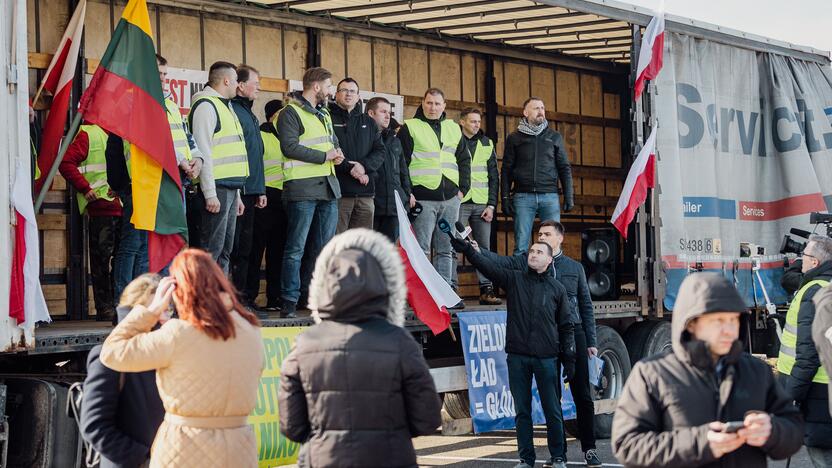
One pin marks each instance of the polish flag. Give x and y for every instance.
(427, 293)
(26, 302)
(58, 81)
(650, 55)
(639, 179)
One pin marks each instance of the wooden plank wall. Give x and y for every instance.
(584, 106)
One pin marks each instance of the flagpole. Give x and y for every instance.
(47, 182)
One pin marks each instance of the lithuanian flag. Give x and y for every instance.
(125, 98)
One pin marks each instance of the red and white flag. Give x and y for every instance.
(58, 81)
(427, 293)
(639, 179)
(650, 55)
(26, 301)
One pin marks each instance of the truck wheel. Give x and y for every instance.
(613, 352)
(645, 339)
(457, 405)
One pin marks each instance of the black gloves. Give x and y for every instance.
(508, 206)
(569, 369)
(568, 205)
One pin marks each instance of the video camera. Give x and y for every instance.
(790, 245)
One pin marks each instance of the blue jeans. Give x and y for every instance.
(313, 219)
(520, 371)
(130, 259)
(526, 207)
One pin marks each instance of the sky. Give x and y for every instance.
(802, 22)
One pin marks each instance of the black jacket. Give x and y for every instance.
(361, 142)
(573, 278)
(289, 130)
(356, 388)
(120, 425)
(812, 398)
(538, 321)
(393, 175)
(493, 173)
(118, 177)
(669, 399)
(446, 189)
(533, 164)
(256, 180)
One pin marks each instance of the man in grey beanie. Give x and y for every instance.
(676, 405)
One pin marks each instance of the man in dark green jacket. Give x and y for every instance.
(253, 193)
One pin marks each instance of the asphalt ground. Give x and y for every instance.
(499, 450)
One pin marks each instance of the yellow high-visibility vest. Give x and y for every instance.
(316, 135)
(479, 173)
(177, 130)
(228, 154)
(431, 157)
(788, 340)
(273, 160)
(94, 168)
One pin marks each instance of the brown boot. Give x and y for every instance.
(487, 296)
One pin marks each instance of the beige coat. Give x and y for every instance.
(198, 377)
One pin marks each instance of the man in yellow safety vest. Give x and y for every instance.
(85, 168)
(440, 172)
(478, 205)
(218, 134)
(310, 188)
(801, 374)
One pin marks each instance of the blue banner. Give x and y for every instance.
(483, 336)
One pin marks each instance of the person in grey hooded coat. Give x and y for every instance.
(674, 406)
(356, 389)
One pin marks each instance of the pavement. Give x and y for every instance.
(499, 449)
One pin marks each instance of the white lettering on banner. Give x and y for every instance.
(487, 338)
(499, 404)
(485, 375)
(689, 207)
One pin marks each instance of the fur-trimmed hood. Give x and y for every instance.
(358, 275)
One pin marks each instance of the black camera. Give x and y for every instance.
(790, 245)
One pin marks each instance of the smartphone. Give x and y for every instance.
(733, 426)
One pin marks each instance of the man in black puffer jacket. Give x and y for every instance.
(539, 330)
(674, 406)
(363, 154)
(356, 389)
(393, 176)
(533, 161)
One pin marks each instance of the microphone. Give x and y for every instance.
(800, 233)
(445, 227)
(465, 232)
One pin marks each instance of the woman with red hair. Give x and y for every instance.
(208, 364)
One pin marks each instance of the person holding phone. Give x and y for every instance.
(706, 402)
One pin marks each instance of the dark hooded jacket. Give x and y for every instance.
(120, 425)
(447, 189)
(670, 399)
(356, 388)
(811, 397)
(822, 332)
(289, 130)
(361, 142)
(393, 175)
